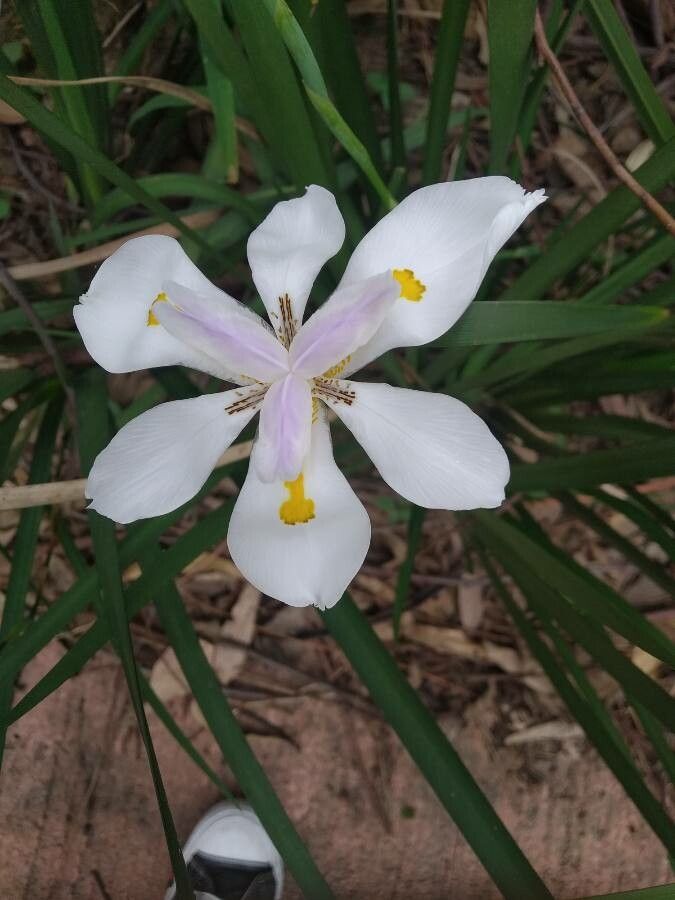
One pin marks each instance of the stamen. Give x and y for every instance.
(329, 390)
(287, 324)
(411, 288)
(337, 369)
(298, 509)
(246, 401)
(152, 318)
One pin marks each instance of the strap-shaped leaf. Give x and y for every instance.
(434, 754)
(24, 548)
(234, 746)
(621, 50)
(51, 126)
(590, 595)
(93, 432)
(594, 725)
(497, 322)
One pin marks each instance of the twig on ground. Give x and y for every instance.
(55, 492)
(652, 204)
(657, 22)
(160, 85)
(25, 271)
(129, 14)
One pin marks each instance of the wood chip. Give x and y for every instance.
(545, 731)
(647, 663)
(210, 562)
(639, 155)
(168, 680)
(470, 604)
(9, 116)
(454, 642)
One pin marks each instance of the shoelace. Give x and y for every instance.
(225, 879)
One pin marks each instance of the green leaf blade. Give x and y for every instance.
(434, 755)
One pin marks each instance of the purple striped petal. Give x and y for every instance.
(348, 319)
(285, 428)
(237, 337)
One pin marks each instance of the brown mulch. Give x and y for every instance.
(78, 818)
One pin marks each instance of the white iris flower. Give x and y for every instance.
(298, 532)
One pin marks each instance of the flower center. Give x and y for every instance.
(298, 509)
(411, 288)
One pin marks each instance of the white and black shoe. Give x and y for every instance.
(229, 856)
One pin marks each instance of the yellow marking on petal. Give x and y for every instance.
(298, 509)
(315, 410)
(337, 369)
(152, 318)
(411, 288)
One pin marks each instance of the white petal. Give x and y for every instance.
(161, 459)
(430, 448)
(311, 562)
(348, 319)
(233, 335)
(112, 316)
(447, 235)
(285, 428)
(290, 247)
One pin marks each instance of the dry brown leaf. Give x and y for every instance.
(571, 151)
(9, 116)
(470, 604)
(454, 642)
(438, 608)
(289, 620)
(617, 405)
(545, 731)
(643, 592)
(647, 663)
(639, 155)
(227, 661)
(626, 139)
(167, 679)
(476, 28)
(656, 552)
(385, 630)
(61, 574)
(540, 685)
(241, 624)
(397, 546)
(375, 586)
(211, 562)
(131, 573)
(621, 523)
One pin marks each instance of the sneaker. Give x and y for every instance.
(229, 856)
